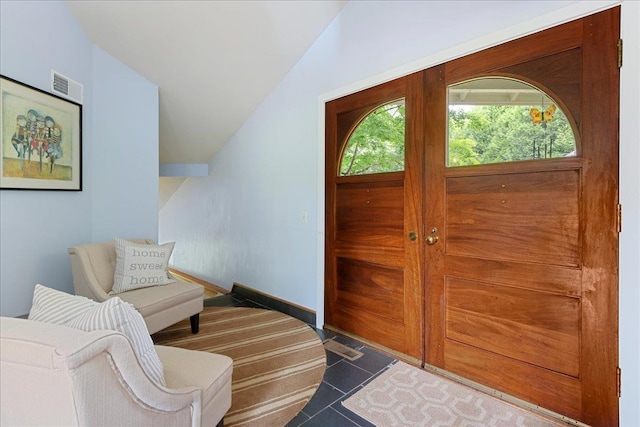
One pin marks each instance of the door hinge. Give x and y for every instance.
(619, 218)
(619, 53)
(619, 381)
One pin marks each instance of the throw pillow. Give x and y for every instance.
(52, 306)
(117, 315)
(140, 265)
(61, 308)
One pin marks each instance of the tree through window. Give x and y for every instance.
(376, 145)
(498, 119)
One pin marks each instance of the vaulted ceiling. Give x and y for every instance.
(214, 61)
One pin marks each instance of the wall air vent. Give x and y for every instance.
(64, 86)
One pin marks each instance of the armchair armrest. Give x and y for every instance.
(126, 368)
(86, 378)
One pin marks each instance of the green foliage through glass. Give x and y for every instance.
(504, 131)
(377, 143)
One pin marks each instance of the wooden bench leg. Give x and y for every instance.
(195, 323)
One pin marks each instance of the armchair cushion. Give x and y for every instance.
(113, 314)
(140, 265)
(209, 372)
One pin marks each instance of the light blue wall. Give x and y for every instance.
(126, 156)
(36, 227)
(244, 222)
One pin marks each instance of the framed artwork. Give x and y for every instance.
(41, 139)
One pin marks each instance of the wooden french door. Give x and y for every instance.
(373, 272)
(512, 279)
(522, 284)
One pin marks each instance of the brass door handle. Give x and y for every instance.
(413, 236)
(432, 238)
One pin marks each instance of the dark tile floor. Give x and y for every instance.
(341, 379)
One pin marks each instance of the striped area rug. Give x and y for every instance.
(278, 361)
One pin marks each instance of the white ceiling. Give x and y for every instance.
(213, 61)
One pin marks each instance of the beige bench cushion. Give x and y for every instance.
(156, 299)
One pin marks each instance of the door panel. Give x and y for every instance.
(538, 328)
(546, 388)
(551, 278)
(515, 300)
(372, 268)
(528, 217)
(370, 213)
(364, 285)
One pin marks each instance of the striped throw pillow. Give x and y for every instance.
(117, 315)
(52, 306)
(140, 265)
(61, 308)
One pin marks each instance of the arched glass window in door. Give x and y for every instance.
(376, 145)
(500, 119)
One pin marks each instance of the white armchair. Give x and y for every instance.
(56, 375)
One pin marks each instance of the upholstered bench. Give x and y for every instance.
(93, 266)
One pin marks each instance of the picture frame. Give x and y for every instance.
(40, 139)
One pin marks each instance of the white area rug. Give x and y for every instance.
(407, 396)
